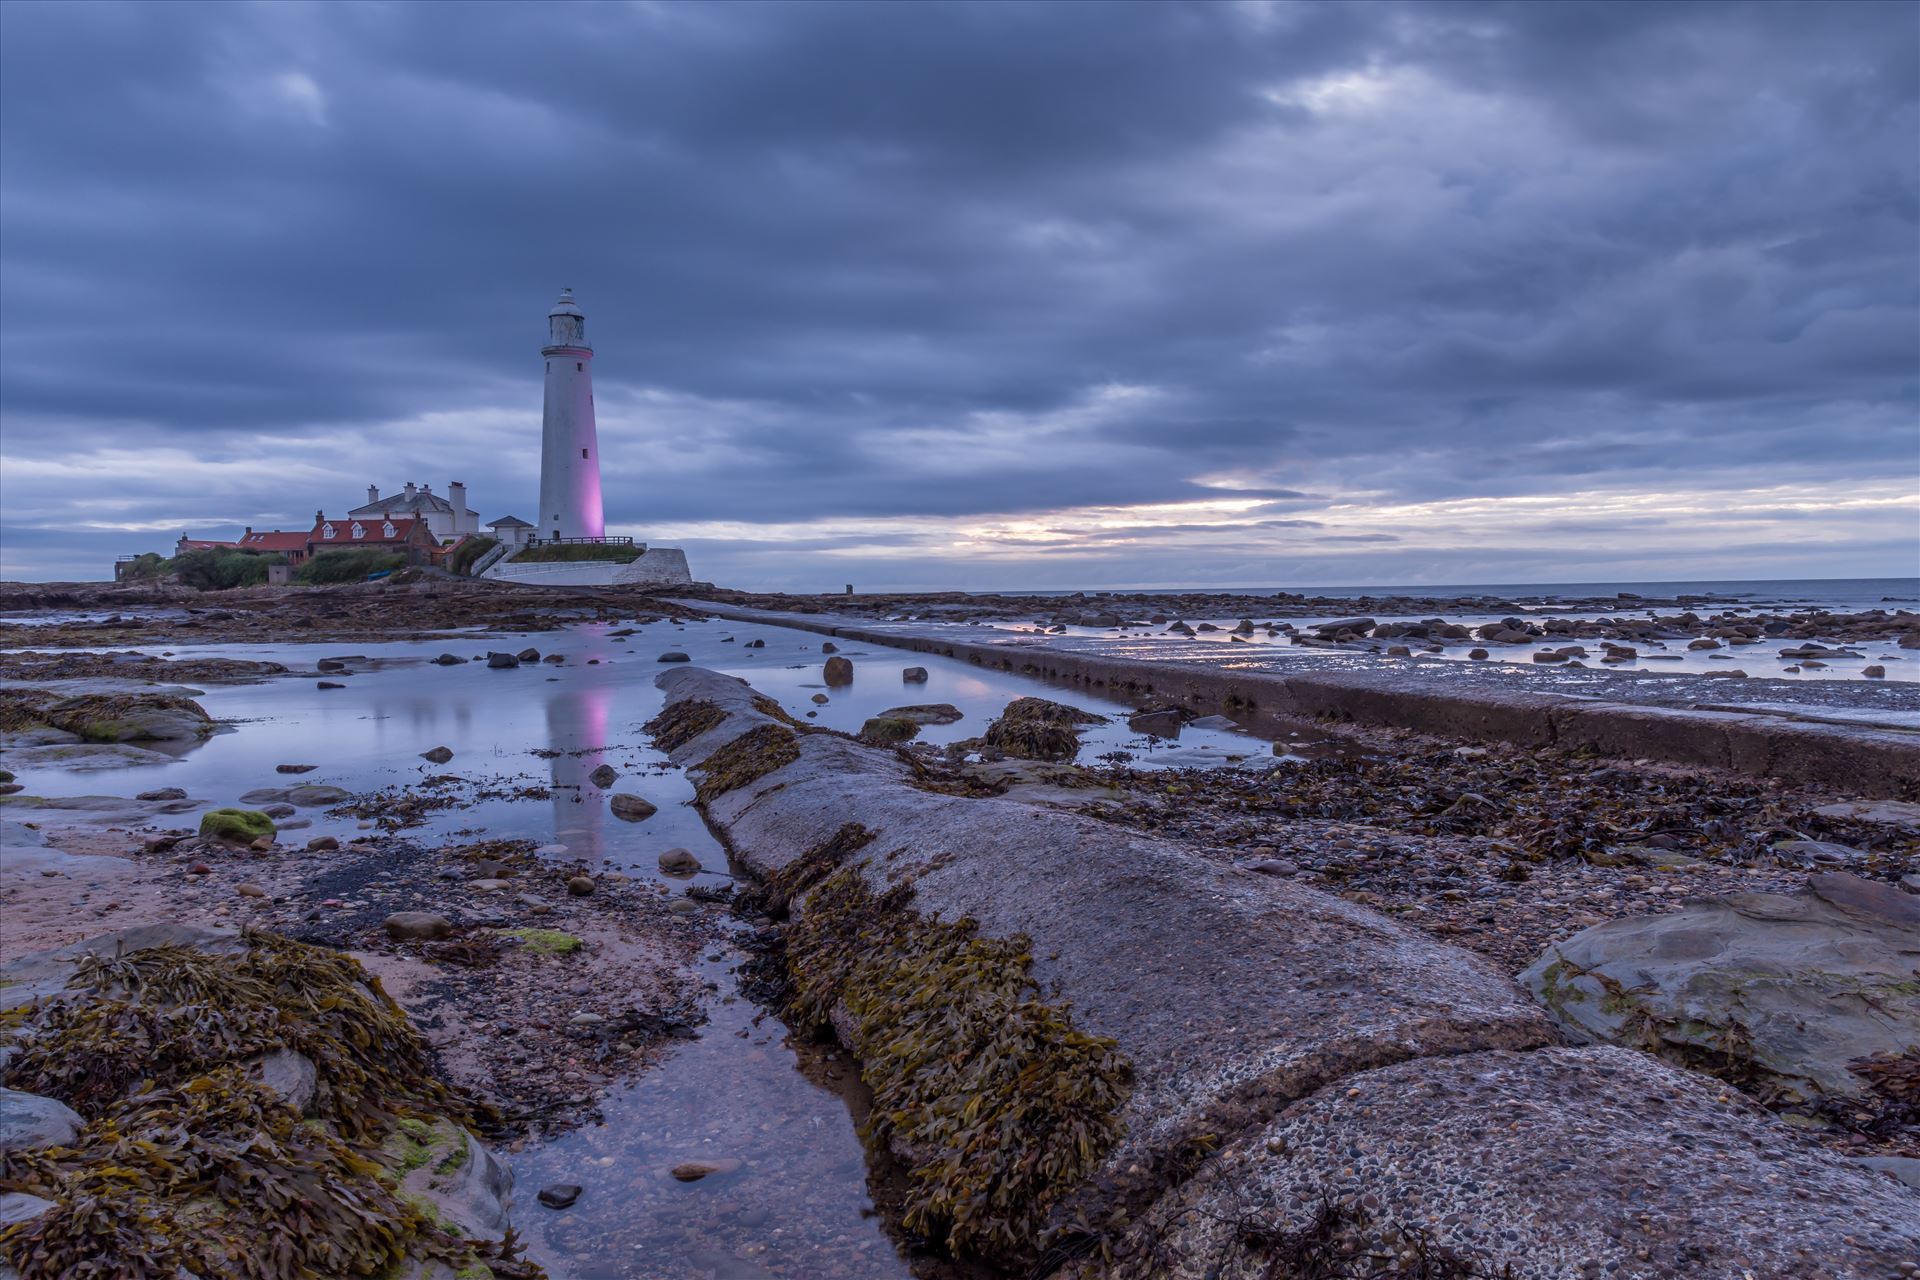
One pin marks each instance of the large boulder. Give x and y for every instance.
(1787, 987)
(236, 826)
(1561, 1164)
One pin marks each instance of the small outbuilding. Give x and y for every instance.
(511, 531)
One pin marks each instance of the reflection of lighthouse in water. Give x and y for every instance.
(577, 723)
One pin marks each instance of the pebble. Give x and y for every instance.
(694, 1170)
(199, 869)
(679, 862)
(683, 906)
(438, 755)
(248, 889)
(559, 1196)
(580, 886)
(417, 924)
(322, 844)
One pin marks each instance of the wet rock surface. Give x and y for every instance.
(1786, 989)
(1556, 1163)
(1240, 997)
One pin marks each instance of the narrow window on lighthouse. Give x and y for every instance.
(583, 453)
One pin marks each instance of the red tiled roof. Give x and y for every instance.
(275, 540)
(349, 532)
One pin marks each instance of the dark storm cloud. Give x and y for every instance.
(855, 263)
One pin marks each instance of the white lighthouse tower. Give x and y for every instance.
(569, 444)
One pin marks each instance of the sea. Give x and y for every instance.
(1838, 595)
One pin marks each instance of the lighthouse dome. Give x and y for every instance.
(567, 323)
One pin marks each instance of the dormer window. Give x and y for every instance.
(326, 530)
(386, 530)
(359, 531)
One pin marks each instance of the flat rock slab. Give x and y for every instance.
(1231, 993)
(1560, 1163)
(29, 1121)
(1803, 983)
(45, 974)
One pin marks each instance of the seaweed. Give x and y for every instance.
(751, 756)
(998, 1104)
(185, 1163)
(1036, 729)
(681, 722)
(813, 866)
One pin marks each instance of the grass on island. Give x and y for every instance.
(464, 555)
(559, 552)
(348, 566)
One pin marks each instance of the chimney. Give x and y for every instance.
(409, 488)
(426, 488)
(247, 534)
(457, 495)
(319, 517)
(373, 494)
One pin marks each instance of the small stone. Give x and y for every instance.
(829, 647)
(580, 886)
(821, 699)
(263, 845)
(683, 906)
(438, 755)
(328, 684)
(1875, 672)
(1275, 867)
(448, 660)
(694, 1170)
(632, 808)
(673, 655)
(502, 661)
(679, 862)
(1478, 655)
(248, 889)
(528, 654)
(295, 768)
(914, 675)
(417, 924)
(838, 671)
(559, 1196)
(199, 869)
(322, 844)
(604, 776)
(164, 793)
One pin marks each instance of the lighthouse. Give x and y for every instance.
(569, 444)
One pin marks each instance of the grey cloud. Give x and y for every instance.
(825, 249)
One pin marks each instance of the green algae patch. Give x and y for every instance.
(544, 942)
(1036, 729)
(682, 722)
(997, 1103)
(187, 1165)
(236, 826)
(751, 756)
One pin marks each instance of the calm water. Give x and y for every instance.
(1836, 594)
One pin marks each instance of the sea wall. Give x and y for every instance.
(1284, 1046)
(1863, 760)
(655, 567)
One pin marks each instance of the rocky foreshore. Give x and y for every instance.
(1248, 1073)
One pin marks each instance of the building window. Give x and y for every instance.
(326, 530)
(583, 453)
(359, 531)
(549, 366)
(579, 366)
(386, 530)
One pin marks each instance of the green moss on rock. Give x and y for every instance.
(544, 942)
(997, 1102)
(236, 826)
(1036, 729)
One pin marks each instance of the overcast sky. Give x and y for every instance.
(990, 295)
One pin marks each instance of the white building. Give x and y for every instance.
(447, 518)
(511, 530)
(570, 505)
